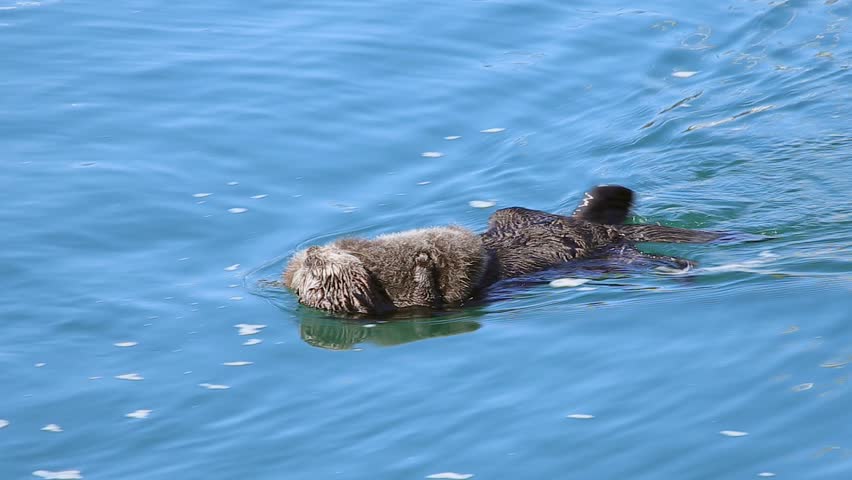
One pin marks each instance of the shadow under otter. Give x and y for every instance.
(445, 267)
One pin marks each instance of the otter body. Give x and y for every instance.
(526, 241)
(446, 266)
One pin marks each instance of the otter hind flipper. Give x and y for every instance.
(606, 204)
(663, 234)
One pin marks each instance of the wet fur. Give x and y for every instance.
(526, 241)
(446, 266)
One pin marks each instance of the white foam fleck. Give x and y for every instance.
(765, 474)
(40, 364)
(671, 270)
(231, 184)
(52, 427)
(492, 130)
(432, 154)
(249, 329)
(586, 289)
(581, 416)
(138, 414)
(423, 183)
(733, 433)
(96, 377)
(237, 364)
(60, 475)
(791, 329)
(683, 74)
(201, 195)
(252, 341)
(748, 266)
(213, 386)
(258, 197)
(369, 325)
(568, 282)
(236, 298)
(453, 137)
(481, 203)
(451, 475)
(345, 208)
(833, 364)
(802, 387)
(125, 344)
(723, 121)
(237, 210)
(130, 376)
(4, 423)
(232, 268)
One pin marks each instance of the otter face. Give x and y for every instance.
(333, 279)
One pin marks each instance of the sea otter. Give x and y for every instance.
(447, 266)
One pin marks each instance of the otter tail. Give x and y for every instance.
(606, 204)
(661, 234)
(611, 204)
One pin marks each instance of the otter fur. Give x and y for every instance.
(446, 266)
(429, 267)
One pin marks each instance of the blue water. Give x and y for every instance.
(115, 116)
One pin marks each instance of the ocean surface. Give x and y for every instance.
(161, 161)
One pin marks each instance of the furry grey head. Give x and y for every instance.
(333, 279)
(430, 267)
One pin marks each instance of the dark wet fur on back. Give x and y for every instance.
(446, 266)
(527, 241)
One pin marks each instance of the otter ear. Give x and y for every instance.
(606, 204)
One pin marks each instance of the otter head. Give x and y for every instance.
(330, 278)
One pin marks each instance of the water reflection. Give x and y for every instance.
(335, 334)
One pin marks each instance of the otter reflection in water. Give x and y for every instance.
(336, 334)
(448, 266)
